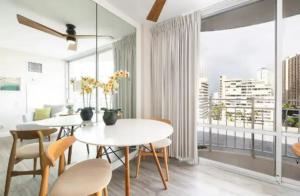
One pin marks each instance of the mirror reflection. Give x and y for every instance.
(47, 47)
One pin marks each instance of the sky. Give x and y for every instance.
(240, 52)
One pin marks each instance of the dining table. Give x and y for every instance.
(125, 134)
(70, 122)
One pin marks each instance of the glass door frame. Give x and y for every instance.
(278, 132)
(278, 89)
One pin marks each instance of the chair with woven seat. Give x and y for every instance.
(26, 151)
(89, 177)
(162, 148)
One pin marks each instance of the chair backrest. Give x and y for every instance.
(30, 126)
(29, 135)
(32, 134)
(161, 120)
(55, 150)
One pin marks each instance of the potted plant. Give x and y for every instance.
(87, 85)
(110, 88)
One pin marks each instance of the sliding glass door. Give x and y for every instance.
(290, 89)
(236, 88)
(249, 88)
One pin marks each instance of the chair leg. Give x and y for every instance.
(10, 168)
(166, 157)
(49, 138)
(34, 166)
(105, 192)
(88, 149)
(44, 181)
(97, 194)
(99, 152)
(59, 133)
(138, 163)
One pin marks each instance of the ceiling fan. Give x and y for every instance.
(156, 10)
(71, 37)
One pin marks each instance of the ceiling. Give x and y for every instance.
(138, 9)
(55, 14)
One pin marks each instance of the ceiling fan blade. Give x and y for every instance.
(30, 23)
(72, 47)
(94, 36)
(156, 10)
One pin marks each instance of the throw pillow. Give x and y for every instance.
(42, 113)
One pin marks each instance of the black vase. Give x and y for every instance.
(86, 114)
(110, 117)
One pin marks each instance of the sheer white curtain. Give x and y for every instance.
(174, 67)
(125, 59)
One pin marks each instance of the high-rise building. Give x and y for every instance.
(263, 74)
(240, 95)
(203, 98)
(291, 80)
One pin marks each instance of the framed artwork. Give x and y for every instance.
(10, 84)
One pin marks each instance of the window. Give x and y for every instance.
(86, 66)
(106, 69)
(82, 67)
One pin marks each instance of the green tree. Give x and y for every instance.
(216, 112)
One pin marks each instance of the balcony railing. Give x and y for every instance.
(245, 124)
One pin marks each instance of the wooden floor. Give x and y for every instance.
(185, 180)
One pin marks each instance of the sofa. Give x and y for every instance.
(55, 110)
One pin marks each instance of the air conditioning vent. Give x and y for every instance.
(35, 67)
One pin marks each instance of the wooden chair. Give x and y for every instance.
(162, 148)
(296, 149)
(27, 151)
(89, 177)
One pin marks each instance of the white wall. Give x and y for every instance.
(42, 88)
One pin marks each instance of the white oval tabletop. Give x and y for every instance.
(126, 132)
(61, 121)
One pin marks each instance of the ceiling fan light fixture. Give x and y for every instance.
(71, 40)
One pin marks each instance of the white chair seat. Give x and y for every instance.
(161, 143)
(30, 151)
(84, 178)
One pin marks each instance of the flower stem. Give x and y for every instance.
(83, 99)
(111, 100)
(106, 101)
(90, 99)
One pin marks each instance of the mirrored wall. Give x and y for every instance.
(46, 47)
(114, 50)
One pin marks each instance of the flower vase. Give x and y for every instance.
(86, 114)
(110, 116)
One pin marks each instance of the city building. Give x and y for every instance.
(240, 96)
(291, 80)
(203, 98)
